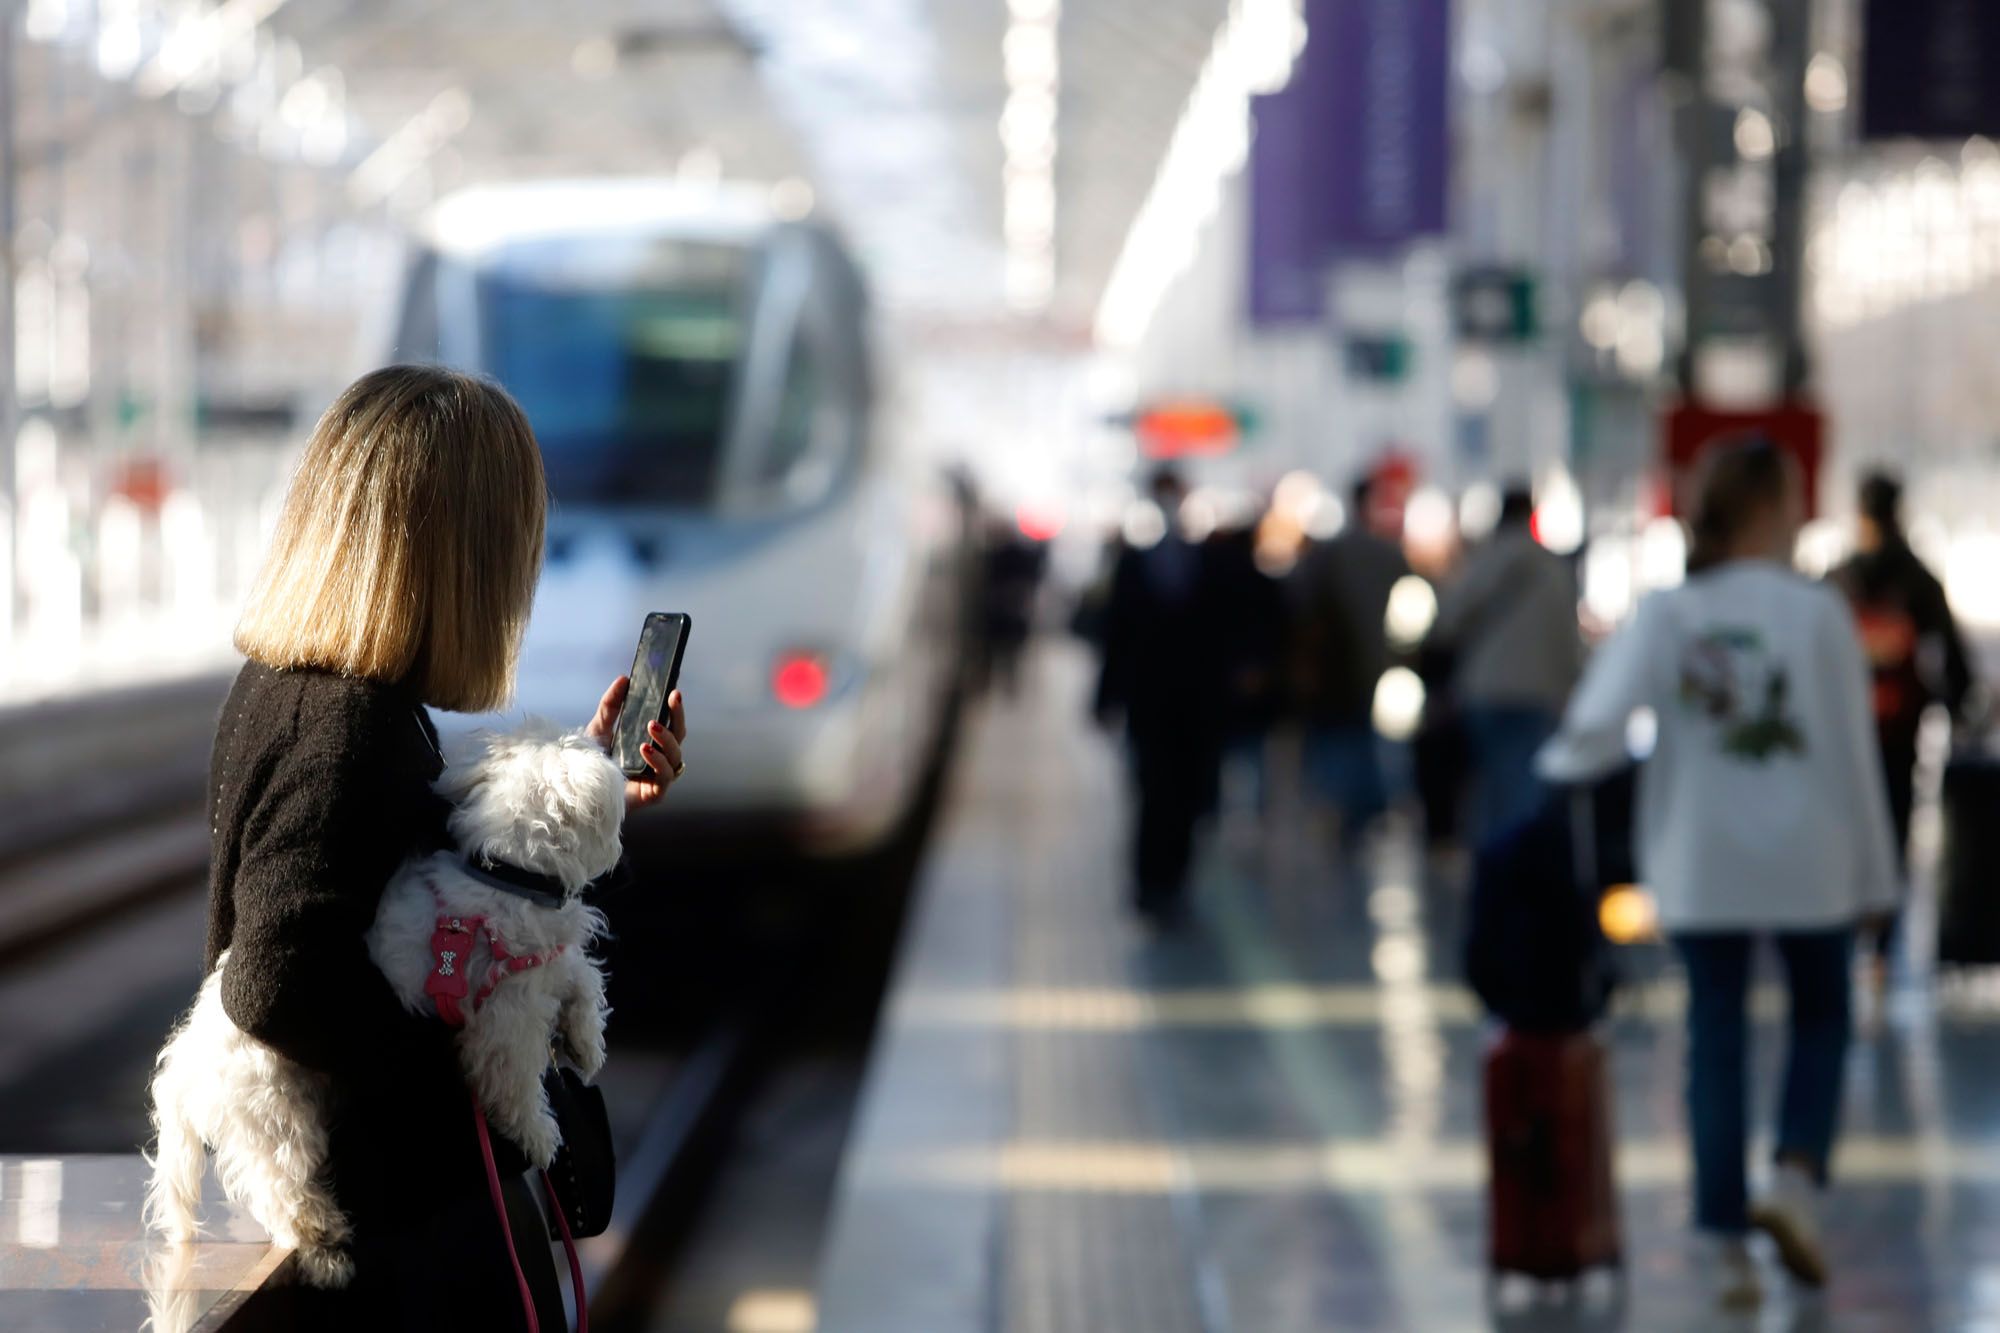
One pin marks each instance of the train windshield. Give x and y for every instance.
(623, 353)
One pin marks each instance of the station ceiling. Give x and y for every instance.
(888, 109)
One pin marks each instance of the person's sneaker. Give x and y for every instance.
(1789, 1215)
(1728, 1269)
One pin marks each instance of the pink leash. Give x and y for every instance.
(569, 1249)
(451, 951)
(507, 1233)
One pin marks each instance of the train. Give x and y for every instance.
(720, 440)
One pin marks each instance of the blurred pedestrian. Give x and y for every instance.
(1914, 650)
(1013, 574)
(1339, 595)
(1507, 635)
(399, 579)
(1163, 672)
(1251, 627)
(1761, 811)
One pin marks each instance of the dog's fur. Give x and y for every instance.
(540, 799)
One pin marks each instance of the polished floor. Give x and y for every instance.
(1269, 1119)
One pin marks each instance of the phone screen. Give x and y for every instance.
(656, 668)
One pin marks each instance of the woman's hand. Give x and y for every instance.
(662, 751)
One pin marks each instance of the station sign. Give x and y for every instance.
(1495, 304)
(1189, 427)
(1378, 358)
(1690, 430)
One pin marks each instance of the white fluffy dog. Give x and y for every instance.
(494, 933)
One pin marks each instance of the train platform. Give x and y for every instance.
(1269, 1118)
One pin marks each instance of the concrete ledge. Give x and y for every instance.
(74, 1256)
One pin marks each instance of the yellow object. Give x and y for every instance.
(1628, 915)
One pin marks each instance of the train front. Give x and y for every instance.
(699, 380)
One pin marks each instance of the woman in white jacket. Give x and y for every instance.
(1760, 813)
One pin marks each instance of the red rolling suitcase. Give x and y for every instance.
(1553, 1205)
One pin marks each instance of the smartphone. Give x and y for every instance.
(656, 669)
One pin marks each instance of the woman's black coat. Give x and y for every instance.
(320, 785)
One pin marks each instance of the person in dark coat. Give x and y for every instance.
(1339, 595)
(399, 579)
(1916, 655)
(1013, 575)
(1163, 671)
(1251, 627)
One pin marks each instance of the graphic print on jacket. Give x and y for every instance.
(1731, 677)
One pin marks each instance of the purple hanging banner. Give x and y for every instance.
(1380, 72)
(1352, 157)
(1287, 235)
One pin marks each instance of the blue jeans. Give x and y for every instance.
(1503, 742)
(1718, 977)
(1344, 764)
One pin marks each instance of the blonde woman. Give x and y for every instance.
(399, 579)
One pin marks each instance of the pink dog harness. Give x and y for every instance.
(451, 951)
(452, 944)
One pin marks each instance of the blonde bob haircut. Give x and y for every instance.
(410, 541)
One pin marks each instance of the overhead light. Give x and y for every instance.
(1030, 54)
(1475, 379)
(1756, 138)
(1143, 525)
(1970, 560)
(1412, 610)
(1430, 522)
(1399, 703)
(791, 199)
(196, 43)
(1028, 136)
(1662, 553)
(1826, 83)
(1479, 511)
(120, 41)
(1558, 520)
(1599, 322)
(46, 20)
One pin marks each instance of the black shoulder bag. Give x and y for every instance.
(583, 1179)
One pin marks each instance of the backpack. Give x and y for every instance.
(1535, 953)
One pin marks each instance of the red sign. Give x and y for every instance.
(1188, 428)
(144, 480)
(1689, 431)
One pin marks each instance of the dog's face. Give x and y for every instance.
(541, 798)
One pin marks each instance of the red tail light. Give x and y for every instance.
(799, 680)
